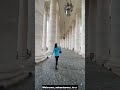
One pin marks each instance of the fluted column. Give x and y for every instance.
(82, 52)
(44, 36)
(52, 26)
(77, 33)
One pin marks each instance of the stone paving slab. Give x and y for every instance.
(99, 78)
(71, 71)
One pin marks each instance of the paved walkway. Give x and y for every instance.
(99, 78)
(71, 71)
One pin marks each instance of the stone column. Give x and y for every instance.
(39, 13)
(48, 19)
(57, 27)
(91, 27)
(73, 27)
(77, 32)
(31, 29)
(44, 36)
(114, 62)
(11, 71)
(67, 40)
(83, 29)
(102, 32)
(63, 43)
(70, 38)
(86, 28)
(52, 26)
(22, 30)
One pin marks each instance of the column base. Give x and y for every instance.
(11, 74)
(40, 59)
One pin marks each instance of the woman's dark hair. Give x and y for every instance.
(55, 45)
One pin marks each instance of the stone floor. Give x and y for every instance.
(99, 78)
(71, 71)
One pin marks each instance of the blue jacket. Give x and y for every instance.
(56, 51)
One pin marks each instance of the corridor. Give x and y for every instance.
(71, 71)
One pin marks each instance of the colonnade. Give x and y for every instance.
(103, 33)
(17, 39)
(51, 30)
(74, 36)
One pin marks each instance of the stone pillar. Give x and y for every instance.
(83, 29)
(57, 27)
(67, 40)
(77, 32)
(102, 32)
(48, 19)
(114, 62)
(91, 27)
(31, 28)
(86, 28)
(52, 26)
(22, 30)
(69, 37)
(72, 36)
(73, 27)
(39, 13)
(44, 36)
(63, 43)
(11, 71)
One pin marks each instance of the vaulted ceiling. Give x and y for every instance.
(66, 21)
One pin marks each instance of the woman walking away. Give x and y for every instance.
(56, 53)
